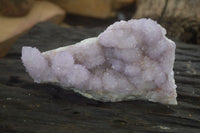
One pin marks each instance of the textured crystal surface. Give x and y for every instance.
(129, 60)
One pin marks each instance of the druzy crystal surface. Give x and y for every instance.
(129, 60)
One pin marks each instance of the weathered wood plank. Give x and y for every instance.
(42, 108)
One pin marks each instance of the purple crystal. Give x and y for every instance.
(129, 60)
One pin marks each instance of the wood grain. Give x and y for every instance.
(27, 107)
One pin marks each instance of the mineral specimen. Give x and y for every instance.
(129, 60)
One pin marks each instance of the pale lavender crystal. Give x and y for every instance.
(129, 60)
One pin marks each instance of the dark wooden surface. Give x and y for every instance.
(27, 107)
